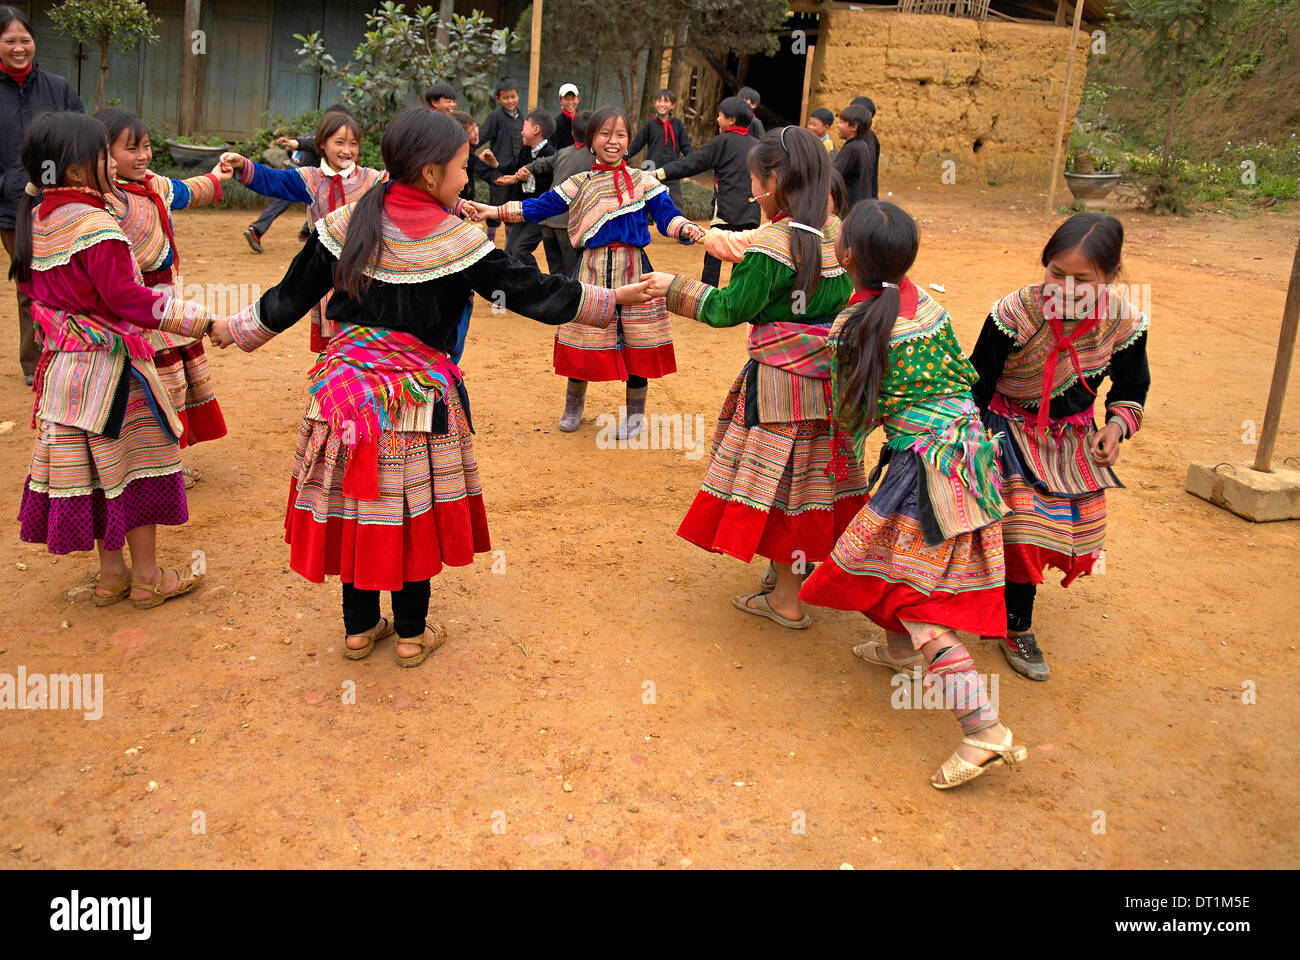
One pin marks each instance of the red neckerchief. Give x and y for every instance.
(56, 197)
(737, 128)
(579, 144)
(620, 167)
(142, 189)
(670, 135)
(908, 297)
(1064, 344)
(568, 113)
(779, 217)
(335, 186)
(20, 76)
(413, 211)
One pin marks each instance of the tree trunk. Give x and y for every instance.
(445, 11)
(653, 71)
(103, 76)
(1169, 128)
(679, 69)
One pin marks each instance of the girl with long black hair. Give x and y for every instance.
(923, 557)
(385, 488)
(767, 490)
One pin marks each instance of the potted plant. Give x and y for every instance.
(1086, 183)
(195, 151)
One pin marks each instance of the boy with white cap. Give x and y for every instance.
(564, 122)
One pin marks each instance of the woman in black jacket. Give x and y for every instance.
(26, 91)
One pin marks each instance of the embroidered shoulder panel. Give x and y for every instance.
(773, 240)
(70, 229)
(593, 198)
(452, 246)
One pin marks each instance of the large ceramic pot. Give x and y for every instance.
(1091, 186)
(194, 155)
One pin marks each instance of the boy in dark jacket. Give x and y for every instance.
(664, 139)
(751, 97)
(567, 162)
(856, 161)
(538, 127)
(727, 155)
(479, 168)
(502, 131)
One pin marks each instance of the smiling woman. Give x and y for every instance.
(26, 91)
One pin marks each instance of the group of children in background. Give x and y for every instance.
(992, 467)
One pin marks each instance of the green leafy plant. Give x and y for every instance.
(401, 54)
(109, 24)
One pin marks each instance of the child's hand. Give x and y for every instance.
(222, 171)
(219, 333)
(693, 232)
(658, 283)
(234, 161)
(633, 294)
(475, 211)
(288, 142)
(521, 174)
(1104, 446)
(489, 157)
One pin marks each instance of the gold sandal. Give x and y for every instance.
(378, 632)
(873, 651)
(117, 596)
(185, 582)
(439, 638)
(956, 771)
(191, 476)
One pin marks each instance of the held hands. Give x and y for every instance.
(234, 161)
(219, 333)
(1104, 445)
(633, 294)
(287, 142)
(657, 283)
(477, 212)
(489, 157)
(221, 171)
(693, 232)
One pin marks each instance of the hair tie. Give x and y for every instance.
(805, 227)
(886, 283)
(32, 190)
(783, 146)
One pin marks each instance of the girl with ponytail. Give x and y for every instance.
(923, 557)
(767, 490)
(142, 204)
(106, 468)
(385, 489)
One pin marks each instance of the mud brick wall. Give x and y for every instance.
(983, 94)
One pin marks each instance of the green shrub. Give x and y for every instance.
(697, 201)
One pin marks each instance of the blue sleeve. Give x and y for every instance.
(281, 184)
(550, 204)
(663, 209)
(180, 194)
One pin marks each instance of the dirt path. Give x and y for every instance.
(527, 739)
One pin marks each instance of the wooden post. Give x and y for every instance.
(807, 84)
(535, 56)
(446, 10)
(1281, 370)
(187, 121)
(1065, 102)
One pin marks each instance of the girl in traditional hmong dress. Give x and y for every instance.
(767, 490)
(142, 206)
(1041, 357)
(385, 486)
(923, 557)
(335, 183)
(607, 222)
(107, 464)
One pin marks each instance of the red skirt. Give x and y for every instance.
(766, 491)
(428, 513)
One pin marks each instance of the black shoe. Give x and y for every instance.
(1024, 656)
(254, 239)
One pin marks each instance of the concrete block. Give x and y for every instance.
(1261, 497)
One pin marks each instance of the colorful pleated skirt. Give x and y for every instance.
(766, 491)
(1046, 529)
(883, 567)
(639, 343)
(82, 487)
(184, 372)
(428, 513)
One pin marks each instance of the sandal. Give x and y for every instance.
(185, 582)
(956, 771)
(191, 475)
(117, 596)
(765, 610)
(378, 632)
(768, 583)
(873, 651)
(439, 638)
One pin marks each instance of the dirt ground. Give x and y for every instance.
(527, 740)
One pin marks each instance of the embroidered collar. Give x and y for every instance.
(329, 171)
(56, 197)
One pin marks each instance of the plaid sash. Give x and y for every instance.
(365, 375)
